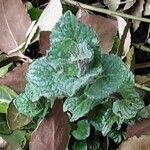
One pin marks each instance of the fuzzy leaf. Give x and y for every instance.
(114, 74)
(82, 131)
(73, 61)
(27, 107)
(78, 106)
(129, 106)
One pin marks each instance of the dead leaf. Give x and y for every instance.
(143, 80)
(112, 4)
(147, 8)
(138, 9)
(139, 128)
(105, 28)
(50, 15)
(129, 4)
(15, 119)
(15, 79)
(14, 23)
(121, 27)
(53, 132)
(44, 41)
(81, 12)
(134, 143)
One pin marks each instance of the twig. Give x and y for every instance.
(106, 11)
(142, 87)
(142, 65)
(141, 47)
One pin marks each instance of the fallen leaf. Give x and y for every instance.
(139, 128)
(44, 41)
(81, 12)
(121, 27)
(138, 9)
(53, 132)
(134, 143)
(111, 4)
(4, 69)
(3, 143)
(15, 79)
(15, 119)
(14, 23)
(147, 8)
(129, 4)
(50, 15)
(105, 28)
(143, 80)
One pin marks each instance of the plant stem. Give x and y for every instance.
(142, 87)
(106, 11)
(141, 47)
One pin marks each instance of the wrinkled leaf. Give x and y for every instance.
(78, 106)
(80, 146)
(53, 131)
(82, 131)
(111, 79)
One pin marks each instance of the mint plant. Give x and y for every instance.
(97, 89)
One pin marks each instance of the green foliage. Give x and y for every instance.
(82, 131)
(75, 70)
(80, 146)
(6, 95)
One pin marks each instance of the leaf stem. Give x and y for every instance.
(106, 11)
(142, 87)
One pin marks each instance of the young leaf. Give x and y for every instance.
(82, 131)
(78, 106)
(114, 74)
(80, 146)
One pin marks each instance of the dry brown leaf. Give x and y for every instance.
(134, 143)
(105, 28)
(139, 128)
(138, 12)
(147, 8)
(121, 26)
(143, 80)
(50, 15)
(14, 23)
(112, 4)
(15, 79)
(44, 41)
(129, 4)
(53, 132)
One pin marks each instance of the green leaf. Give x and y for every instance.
(15, 119)
(27, 107)
(35, 13)
(4, 70)
(80, 146)
(94, 143)
(82, 131)
(72, 62)
(6, 96)
(114, 74)
(108, 120)
(117, 136)
(78, 106)
(16, 139)
(130, 104)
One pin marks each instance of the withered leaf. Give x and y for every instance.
(14, 23)
(15, 119)
(53, 132)
(15, 79)
(105, 28)
(139, 128)
(134, 143)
